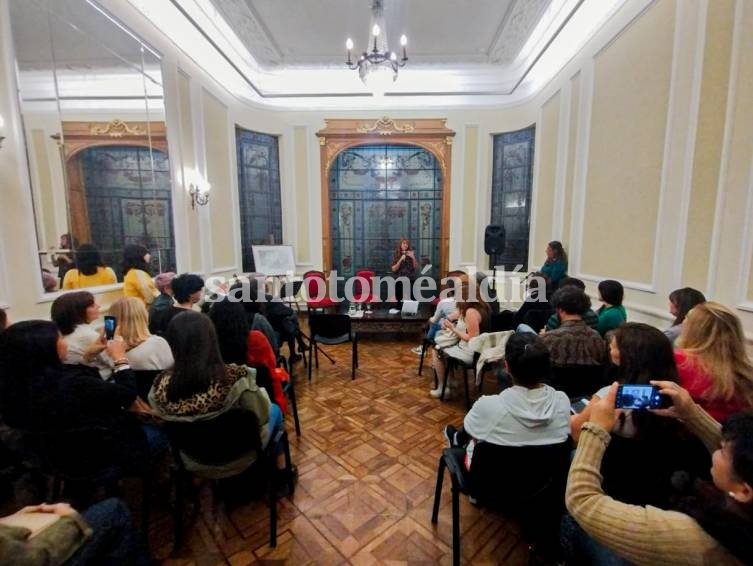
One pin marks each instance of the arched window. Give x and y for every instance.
(379, 194)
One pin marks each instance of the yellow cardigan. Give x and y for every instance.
(138, 283)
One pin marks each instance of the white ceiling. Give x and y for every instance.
(291, 53)
(283, 35)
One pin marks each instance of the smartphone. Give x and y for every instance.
(577, 405)
(110, 324)
(641, 397)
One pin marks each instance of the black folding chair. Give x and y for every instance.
(216, 442)
(331, 329)
(526, 482)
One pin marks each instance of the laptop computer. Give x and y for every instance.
(410, 308)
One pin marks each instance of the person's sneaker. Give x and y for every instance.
(437, 393)
(418, 350)
(450, 433)
(472, 500)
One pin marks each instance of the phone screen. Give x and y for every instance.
(639, 397)
(110, 324)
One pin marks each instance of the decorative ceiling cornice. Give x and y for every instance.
(516, 29)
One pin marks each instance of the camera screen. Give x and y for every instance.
(638, 397)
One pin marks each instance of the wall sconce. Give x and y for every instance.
(199, 191)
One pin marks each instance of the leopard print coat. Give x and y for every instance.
(201, 403)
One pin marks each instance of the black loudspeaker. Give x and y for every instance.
(494, 239)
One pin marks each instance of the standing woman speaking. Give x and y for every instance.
(404, 264)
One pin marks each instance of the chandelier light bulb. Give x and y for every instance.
(393, 56)
(375, 30)
(349, 44)
(403, 40)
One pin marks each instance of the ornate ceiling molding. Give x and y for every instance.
(516, 29)
(240, 16)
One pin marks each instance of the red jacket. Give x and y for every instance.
(259, 353)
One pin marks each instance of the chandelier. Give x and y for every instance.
(378, 67)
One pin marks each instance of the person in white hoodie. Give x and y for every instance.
(530, 413)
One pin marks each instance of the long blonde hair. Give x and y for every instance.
(132, 320)
(714, 336)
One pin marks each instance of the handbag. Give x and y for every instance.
(446, 338)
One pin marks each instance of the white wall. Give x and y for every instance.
(643, 162)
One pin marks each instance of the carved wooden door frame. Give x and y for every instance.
(430, 134)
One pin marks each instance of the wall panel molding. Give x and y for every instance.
(721, 191)
(560, 176)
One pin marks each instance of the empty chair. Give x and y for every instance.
(363, 289)
(316, 291)
(332, 329)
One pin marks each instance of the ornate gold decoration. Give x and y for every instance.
(322, 141)
(117, 129)
(385, 126)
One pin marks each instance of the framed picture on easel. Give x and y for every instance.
(274, 260)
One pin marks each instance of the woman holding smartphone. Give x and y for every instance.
(710, 524)
(640, 353)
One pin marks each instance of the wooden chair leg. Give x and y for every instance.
(423, 353)
(438, 490)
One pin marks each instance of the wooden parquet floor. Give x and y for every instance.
(367, 461)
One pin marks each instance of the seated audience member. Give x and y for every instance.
(49, 281)
(62, 257)
(187, 289)
(446, 307)
(709, 525)
(137, 280)
(283, 319)
(40, 394)
(164, 284)
(536, 308)
(238, 346)
(103, 534)
(202, 386)
(589, 317)
(73, 313)
(573, 343)
(645, 449)
(90, 270)
(143, 350)
(4, 319)
(612, 313)
(680, 303)
(528, 413)
(712, 361)
(555, 266)
(473, 319)
(244, 291)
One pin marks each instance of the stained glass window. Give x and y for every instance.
(379, 194)
(512, 179)
(259, 192)
(128, 202)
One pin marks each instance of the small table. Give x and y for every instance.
(381, 323)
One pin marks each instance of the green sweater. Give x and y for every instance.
(610, 317)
